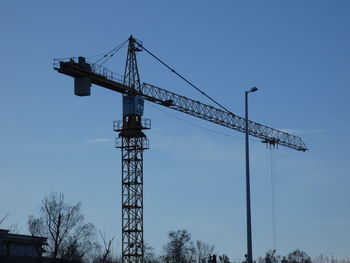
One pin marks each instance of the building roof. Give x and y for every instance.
(5, 236)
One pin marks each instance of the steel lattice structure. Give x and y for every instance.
(220, 117)
(133, 142)
(132, 197)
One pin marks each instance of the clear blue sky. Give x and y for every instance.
(296, 52)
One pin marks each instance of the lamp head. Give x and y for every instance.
(253, 89)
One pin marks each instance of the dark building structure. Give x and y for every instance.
(16, 248)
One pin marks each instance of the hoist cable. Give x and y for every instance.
(273, 198)
(183, 78)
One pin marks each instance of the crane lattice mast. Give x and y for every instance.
(132, 141)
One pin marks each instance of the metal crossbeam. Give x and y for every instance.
(220, 117)
(172, 100)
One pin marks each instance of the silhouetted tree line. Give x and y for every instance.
(297, 256)
(71, 238)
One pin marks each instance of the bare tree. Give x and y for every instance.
(298, 256)
(270, 257)
(322, 259)
(223, 259)
(3, 219)
(68, 235)
(13, 228)
(80, 244)
(179, 249)
(104, 251)
(150, 255)
(107, 247)
(202, 251)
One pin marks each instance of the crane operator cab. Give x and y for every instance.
(133, 123)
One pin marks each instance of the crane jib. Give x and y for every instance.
(86, 74)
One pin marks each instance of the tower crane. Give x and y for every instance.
(132, 140)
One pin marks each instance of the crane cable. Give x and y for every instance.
(183, 78)
(109, 54)
(273, 197)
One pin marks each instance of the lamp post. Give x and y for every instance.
(249, 219)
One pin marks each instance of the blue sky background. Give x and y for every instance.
(296, 52)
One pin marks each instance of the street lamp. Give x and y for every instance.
(249, 219)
